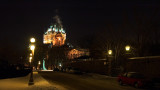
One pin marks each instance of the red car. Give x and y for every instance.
(132, 78)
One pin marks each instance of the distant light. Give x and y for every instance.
(59, 39)
(60, 64)
(32, 47)
(127, 48)
(49, 29)
(32, 40)
(30, 54)
(39, 62)
(30, 59)
(110, 52)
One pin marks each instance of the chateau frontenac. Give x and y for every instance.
(55, 35)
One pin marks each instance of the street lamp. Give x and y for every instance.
(32, 48)
(30, 59)
(39, 62)
(60, 64)
(32, 40)
(127, 54)
(110, 52)
(109, 62)
(127, 48)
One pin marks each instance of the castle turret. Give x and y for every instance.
(55, 35)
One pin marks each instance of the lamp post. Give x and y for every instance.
(39, 64)
(32, 48)
(109, 62)
(126, 56)
(30, 60)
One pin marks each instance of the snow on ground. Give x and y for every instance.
(21, 83)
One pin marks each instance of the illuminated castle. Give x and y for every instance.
(55, 35)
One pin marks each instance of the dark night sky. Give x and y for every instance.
(21, 20)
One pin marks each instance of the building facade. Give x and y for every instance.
(57, 56)
(75, 53)
(54, 35)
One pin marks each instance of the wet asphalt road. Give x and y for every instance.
(84, 82)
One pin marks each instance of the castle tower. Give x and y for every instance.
(55, 35)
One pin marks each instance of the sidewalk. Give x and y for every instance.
(21, 83)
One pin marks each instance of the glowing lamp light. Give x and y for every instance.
(39, 62)
(32, 47)
(32, 40)
(59, 39)
(127, 48)
(30, 59)
(30, 54)
(60, 64)
(110, 52)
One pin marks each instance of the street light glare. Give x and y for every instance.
(30, 59)
(127, 48)
(32, 47)
(39, 62)
(109, 52)
(60, 64)
(32, 40)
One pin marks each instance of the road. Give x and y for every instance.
(84, 82)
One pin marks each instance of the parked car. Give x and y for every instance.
(134, 79)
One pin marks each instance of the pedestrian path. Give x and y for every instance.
(21, 83)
